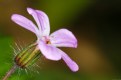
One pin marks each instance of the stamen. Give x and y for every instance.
(48, 42)
(46, 39)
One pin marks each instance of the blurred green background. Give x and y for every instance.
(95, 23)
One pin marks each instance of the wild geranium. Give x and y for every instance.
(46, 43)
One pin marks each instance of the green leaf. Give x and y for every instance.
(5, 55)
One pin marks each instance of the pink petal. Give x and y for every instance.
(50, 52)
(24, 22)
(41, 19)
(70, 63)
(63, 38)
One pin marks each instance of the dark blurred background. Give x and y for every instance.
(95, 23)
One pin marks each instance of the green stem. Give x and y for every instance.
(8, 74)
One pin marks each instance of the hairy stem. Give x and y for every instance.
(8, 74)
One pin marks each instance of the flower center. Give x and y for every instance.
(46, 40)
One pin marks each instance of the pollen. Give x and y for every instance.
(48, 42)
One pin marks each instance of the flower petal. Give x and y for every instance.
(70, 63)
(63, 38)
(24, 22)
(50, 52)
(41, 19)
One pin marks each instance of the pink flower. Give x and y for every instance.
(48, 43)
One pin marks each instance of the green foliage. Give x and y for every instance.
(5, 55)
